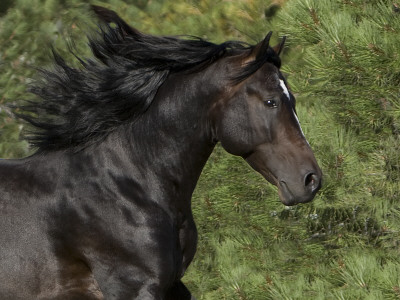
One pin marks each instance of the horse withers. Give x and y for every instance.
(102, 210)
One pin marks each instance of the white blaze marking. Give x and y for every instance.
(286, 92)
(284, 88)
(298, 122)
(301, 130)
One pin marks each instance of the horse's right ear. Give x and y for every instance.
(110, 16)
(278, 48)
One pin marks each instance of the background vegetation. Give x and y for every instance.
(342, 61)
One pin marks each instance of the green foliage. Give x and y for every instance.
(349, 108)
(351, 54)
(343, 61)
(27, 32)
(209, 19)
(350, 75)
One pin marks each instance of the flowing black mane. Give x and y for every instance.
(81, 106)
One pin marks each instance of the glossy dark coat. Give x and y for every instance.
(106, 213)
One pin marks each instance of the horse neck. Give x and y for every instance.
(176, 132)
(170, 144)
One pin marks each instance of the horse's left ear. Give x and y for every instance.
(278, 48)
(261, 48)
(259, 51)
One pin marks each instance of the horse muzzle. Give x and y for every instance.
(292, 194)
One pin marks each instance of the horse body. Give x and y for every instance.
(113, 220)
(104, 206)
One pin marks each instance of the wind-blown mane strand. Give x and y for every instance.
(79, 106)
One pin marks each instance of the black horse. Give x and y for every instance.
(103, 209)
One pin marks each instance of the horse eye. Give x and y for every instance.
(270, 103)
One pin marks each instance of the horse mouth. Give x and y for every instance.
(289, 199)
(285, 195)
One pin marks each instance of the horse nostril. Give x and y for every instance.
(312, 181)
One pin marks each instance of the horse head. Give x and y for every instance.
(256, 119)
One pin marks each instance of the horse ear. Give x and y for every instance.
(278, 48)
(261, 48)
(259, 51)
(110, 16)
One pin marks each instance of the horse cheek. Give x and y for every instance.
(234, 131)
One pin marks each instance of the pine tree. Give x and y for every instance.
(344, 65)
(351, 71)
